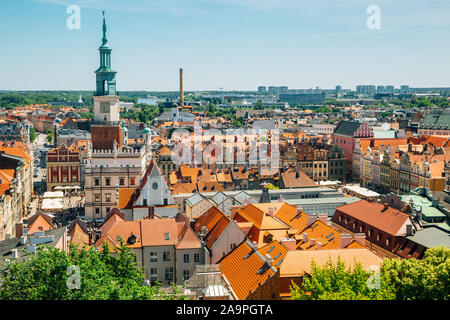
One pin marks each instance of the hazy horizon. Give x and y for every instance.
(236, 45)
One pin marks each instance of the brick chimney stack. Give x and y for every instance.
(360, 238)
(311, 219)
(323, 217)
(346, 239)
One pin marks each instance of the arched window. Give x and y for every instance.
(105, 86)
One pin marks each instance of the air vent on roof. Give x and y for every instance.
(330, 235)
(271, 248)
(279, 254)
(278, 263)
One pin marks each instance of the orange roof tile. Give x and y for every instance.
(390, 220)
(125, 197)
(298, 262)
(245, 269)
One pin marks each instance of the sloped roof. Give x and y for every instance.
(258, 214)
(346, 128)
(209, 219)
(42, 216)
(125, 197)
(194, 199)
(245, 269)
(323, 233)
(299, 179)
(217, 231)
(390, 220)
(219, 197)
(298, 262)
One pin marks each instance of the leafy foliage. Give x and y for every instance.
(400, 279)
(421, 279)
(33, 135)
(335, 282)
(50, 135)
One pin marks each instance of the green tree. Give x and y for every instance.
(32, 134)
(104, 275)
(50, 135)
(335, 282)
(414, 279)
(400, 279)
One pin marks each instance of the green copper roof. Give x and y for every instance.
(104, 39)
(427, 207)
(436, 121)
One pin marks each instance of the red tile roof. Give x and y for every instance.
(389, 220)
(245, 269)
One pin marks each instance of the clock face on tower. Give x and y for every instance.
(104, 107)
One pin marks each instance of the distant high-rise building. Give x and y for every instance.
(303, 98)
(283, 89)
(381, 89)
(404, 89)
(365, 89)
(390, 89)
(262, 89)
(338, 89)
(273, 89)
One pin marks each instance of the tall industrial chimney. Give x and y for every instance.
(181, 88)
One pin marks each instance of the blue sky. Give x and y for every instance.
(229, 44)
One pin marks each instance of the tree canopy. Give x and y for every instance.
(398, 279)
(52, 274)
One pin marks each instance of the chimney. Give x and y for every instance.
(313, 242)
(280, 199)
(19, 230)
(385, 207)
(271, 211)
(23, 240)
(360, 238)
(346, 239)
(15, 253)
(151, 212)
(268, 260)
(255, 245)
(32, 248)
(409, 230)
(299, 209)
(290, 244)
(305, 237)
(181, 88)
(311, 219)
(323, 218)
(319, 245)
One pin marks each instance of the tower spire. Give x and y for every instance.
(104, 40)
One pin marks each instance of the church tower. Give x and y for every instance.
(106, 102)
